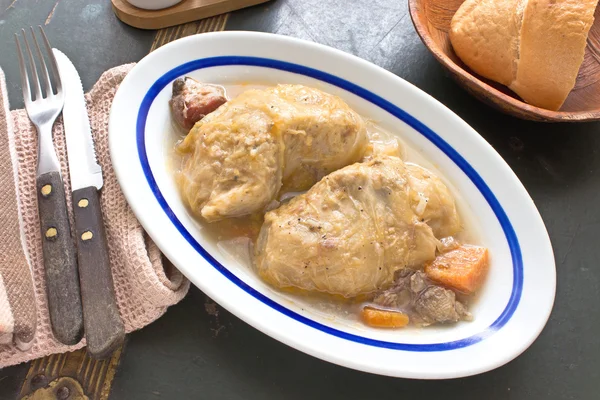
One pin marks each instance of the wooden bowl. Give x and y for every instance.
(432, 22)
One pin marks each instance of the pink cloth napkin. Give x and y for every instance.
(145, 283)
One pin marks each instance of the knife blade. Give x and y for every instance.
(104, 330)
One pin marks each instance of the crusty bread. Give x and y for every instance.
(484, 34)
(535, 47)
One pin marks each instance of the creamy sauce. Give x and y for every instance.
(234, 237)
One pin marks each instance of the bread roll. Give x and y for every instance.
(535, 47)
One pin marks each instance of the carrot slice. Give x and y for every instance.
(384, 318)
(463, 269)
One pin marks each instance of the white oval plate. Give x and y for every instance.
(519, 293)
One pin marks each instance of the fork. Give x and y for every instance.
(60, 261)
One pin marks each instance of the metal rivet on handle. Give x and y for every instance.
(46, 190)
(63, 393)
(51, 233)
(83, 203)
(87, 235)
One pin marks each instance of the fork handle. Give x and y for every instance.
(60, 262)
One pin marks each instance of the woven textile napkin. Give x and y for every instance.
(145, 284)
(17, 323)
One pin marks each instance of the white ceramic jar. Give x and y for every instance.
(153, 4)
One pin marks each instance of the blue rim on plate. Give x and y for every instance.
(509, 232)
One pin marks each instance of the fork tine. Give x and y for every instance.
(36, 81)
(44, 69)
(24, 77)
(53, 65)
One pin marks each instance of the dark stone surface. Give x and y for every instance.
(11, 380)
(86, 31)
(192, 353)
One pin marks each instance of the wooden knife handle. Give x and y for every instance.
(104, 331)
(60, 262)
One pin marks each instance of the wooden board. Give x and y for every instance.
(167, 35)
(186, 11)
(72, 375)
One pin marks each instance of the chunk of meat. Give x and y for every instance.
(436, 304)
(384, 318)
(415, 295)
(463, 269)
(349, 233)
(400, 295)
(239, 156)
(191, 101)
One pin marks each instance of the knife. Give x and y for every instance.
(104, 330)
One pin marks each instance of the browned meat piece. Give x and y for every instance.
(436, 304)
(426, 303)
(418, 282)
(398, 296)
(192, 100)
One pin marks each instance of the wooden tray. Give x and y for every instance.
(186, 11)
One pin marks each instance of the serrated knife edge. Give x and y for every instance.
(84, 169)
